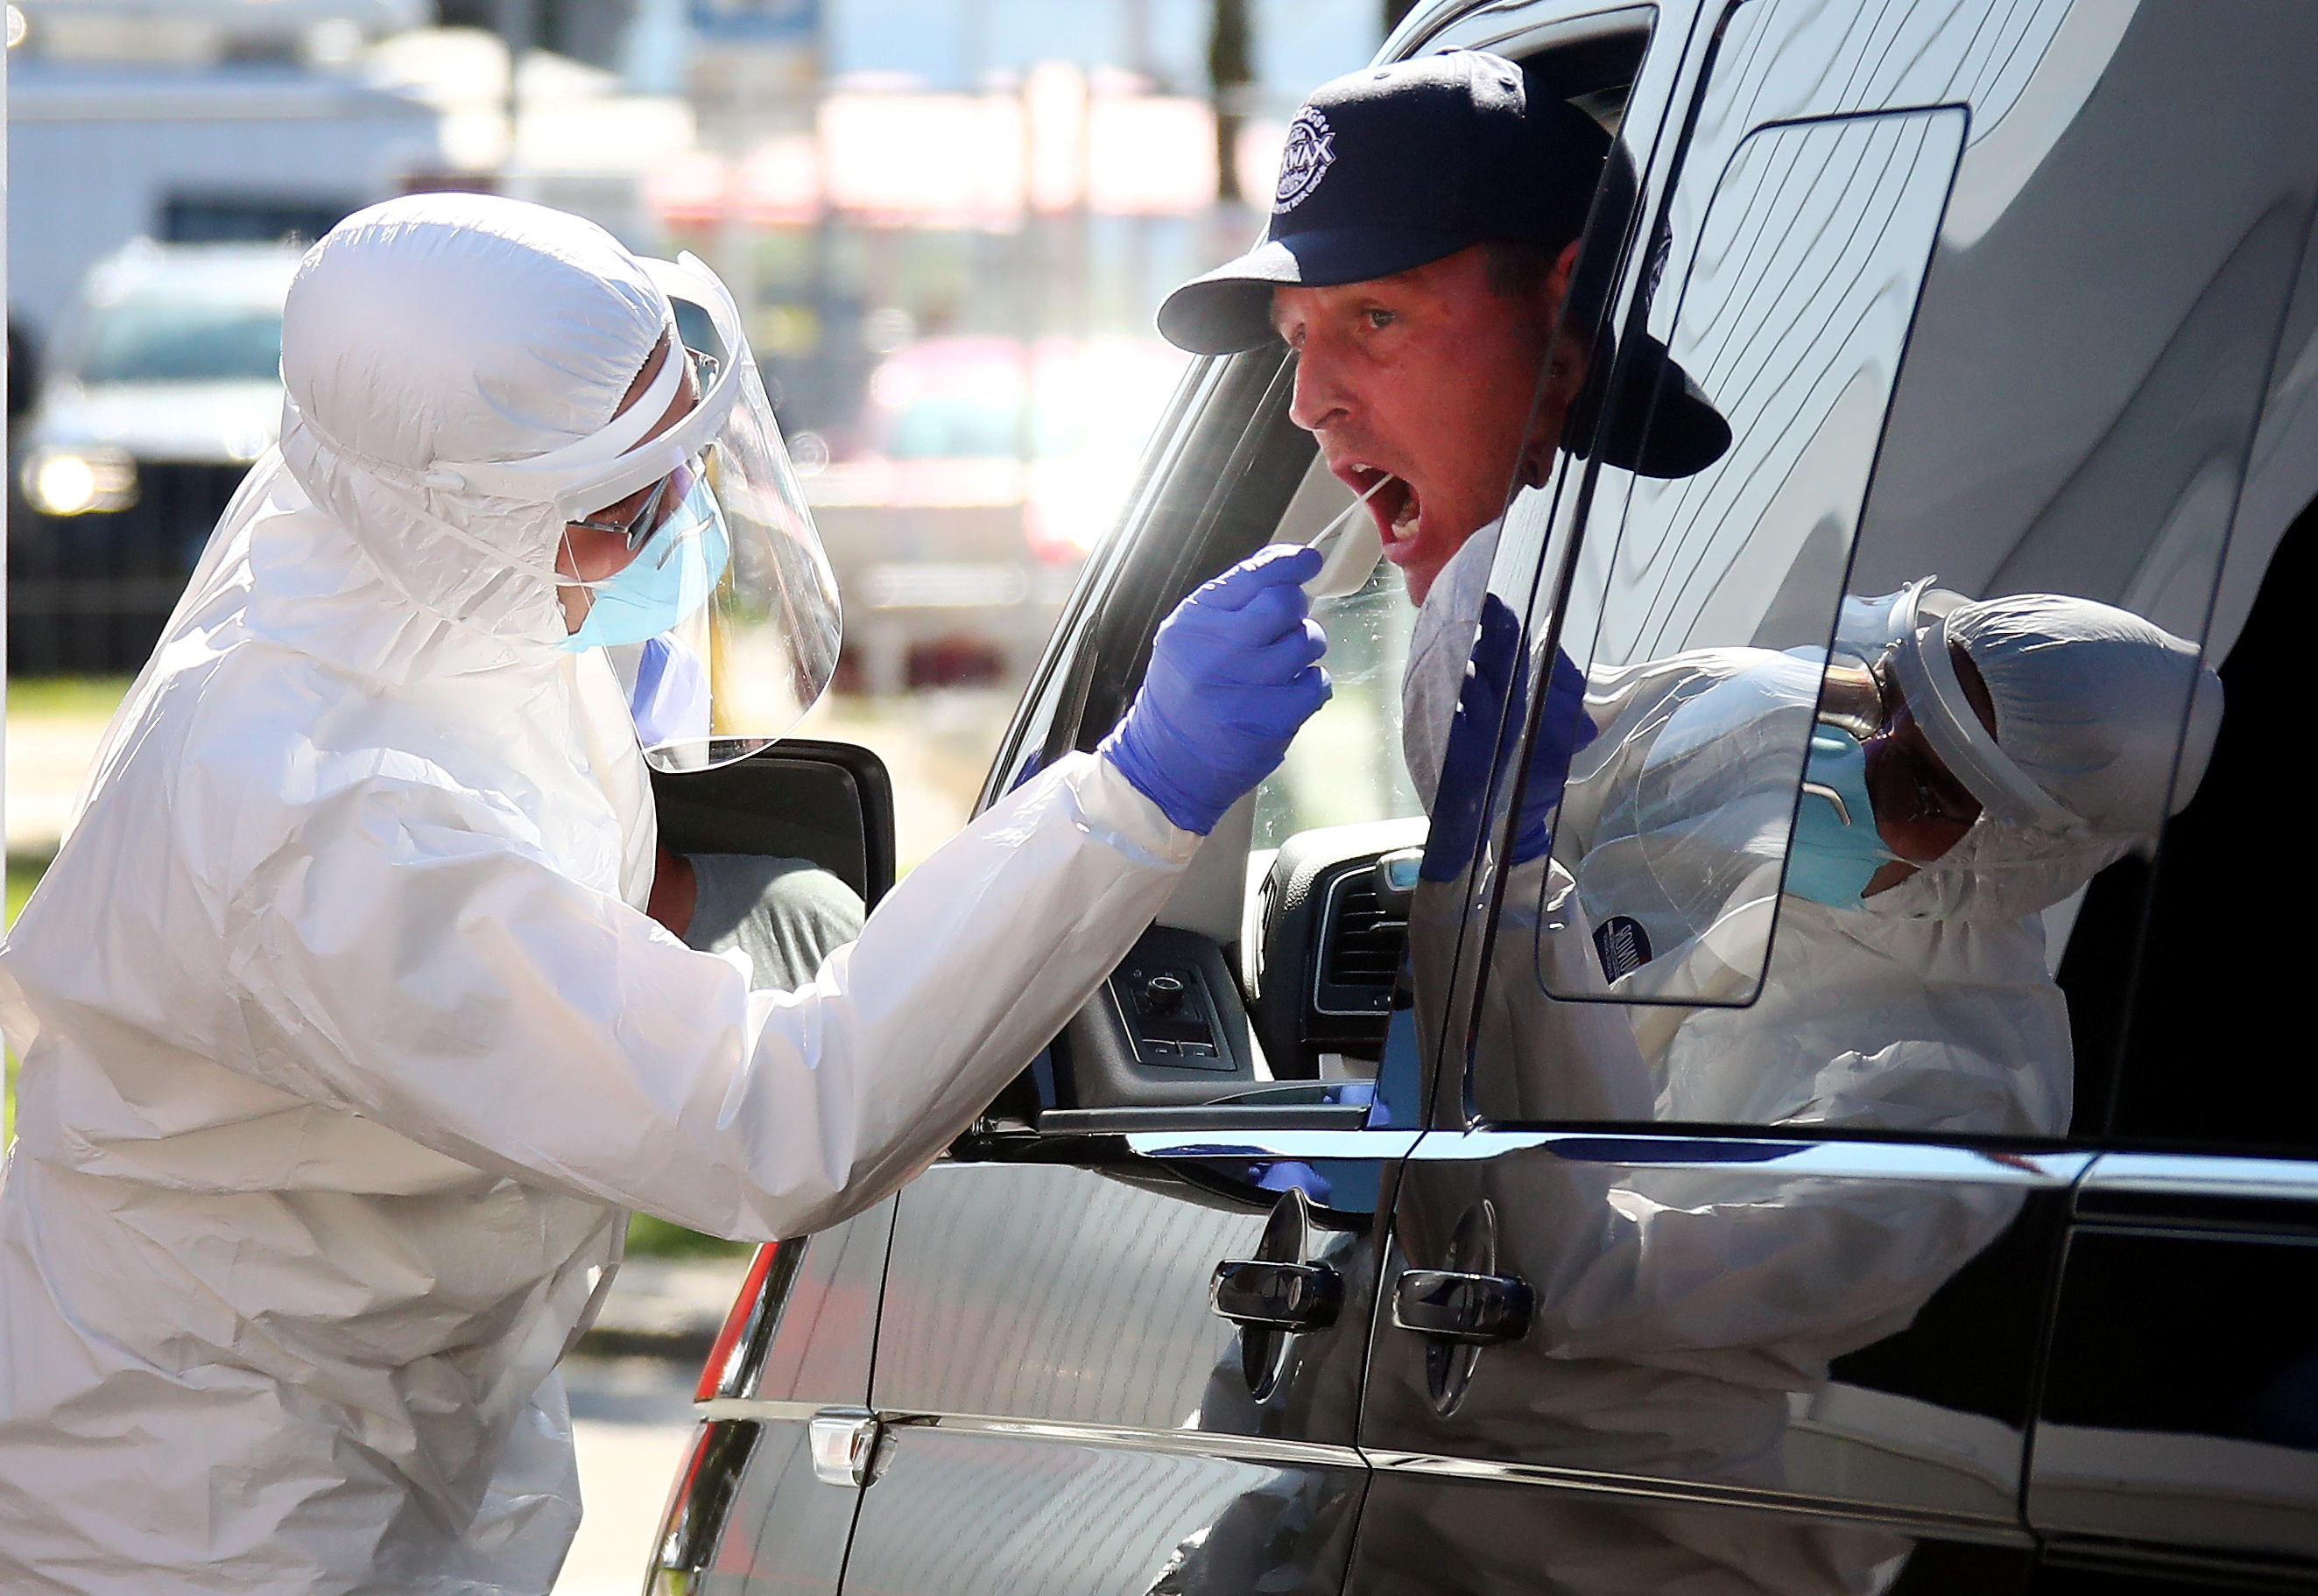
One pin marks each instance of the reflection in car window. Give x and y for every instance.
(1790, 307)
(1818, 879)
(1983, 741)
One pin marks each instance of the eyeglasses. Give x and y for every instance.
(646, 520)
(1923, 801)
(659, 500)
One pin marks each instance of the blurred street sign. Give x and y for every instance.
(943, 161)
(757, 22)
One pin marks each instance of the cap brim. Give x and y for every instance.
(1659, 424)
(1229, 308)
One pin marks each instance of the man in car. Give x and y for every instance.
(1431, 261)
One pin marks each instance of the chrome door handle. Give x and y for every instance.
(1477, 1310)
(1266, 1294)
(844, 1442)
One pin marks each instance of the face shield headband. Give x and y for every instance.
(581, 478)
(1919, 659)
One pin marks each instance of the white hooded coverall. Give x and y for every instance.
(345, 1042)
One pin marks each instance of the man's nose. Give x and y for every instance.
(1320, 398)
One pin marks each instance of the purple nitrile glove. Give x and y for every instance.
(1235, 671)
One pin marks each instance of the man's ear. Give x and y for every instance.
(1567, 343)
(1556, 282)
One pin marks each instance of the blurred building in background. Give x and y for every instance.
(195, 122)
(950, 221)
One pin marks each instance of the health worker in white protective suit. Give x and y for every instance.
(1965, 766)
(347, 1041)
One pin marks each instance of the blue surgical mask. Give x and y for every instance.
(1835, 849)
(672, 577)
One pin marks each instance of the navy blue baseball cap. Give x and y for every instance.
(1392, 167)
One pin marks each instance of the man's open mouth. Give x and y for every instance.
(1393, 505)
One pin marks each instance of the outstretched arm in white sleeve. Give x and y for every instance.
(413, 962)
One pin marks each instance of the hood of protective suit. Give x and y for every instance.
(455, 327)
(2104, 725)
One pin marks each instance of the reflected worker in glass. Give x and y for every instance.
(1969, 766)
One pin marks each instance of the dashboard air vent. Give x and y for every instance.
(1361, 946)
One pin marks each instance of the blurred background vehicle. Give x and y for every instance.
(980, 476)
(977, 202)
(162, 386)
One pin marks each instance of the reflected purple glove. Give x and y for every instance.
(1497, 671)
(1233, 672)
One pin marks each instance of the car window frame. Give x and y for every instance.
(1682, 40)
(1167, 532)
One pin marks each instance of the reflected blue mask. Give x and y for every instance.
(1835, 849)
(671, 577)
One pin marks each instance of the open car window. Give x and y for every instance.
(1265, 992)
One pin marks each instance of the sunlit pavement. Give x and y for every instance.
(48, 756)
(631, 1419)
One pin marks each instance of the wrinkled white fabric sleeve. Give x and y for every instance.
(410, 965)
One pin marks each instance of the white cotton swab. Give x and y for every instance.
(1345, 568)
(1326, 532)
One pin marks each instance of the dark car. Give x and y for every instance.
(1300, 1261)
(163, 384)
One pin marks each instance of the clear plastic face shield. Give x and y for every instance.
(721, 617)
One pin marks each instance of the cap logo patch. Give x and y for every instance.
(1304, 161)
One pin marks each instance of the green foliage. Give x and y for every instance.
(656, 1238)
(24, 871)
(76, 696)
(23, 874)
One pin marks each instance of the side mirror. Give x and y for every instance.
(831, 803)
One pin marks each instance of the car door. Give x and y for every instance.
(1125, 1326)
(789, 1374)
(1660, 1312)
(2176, 1445)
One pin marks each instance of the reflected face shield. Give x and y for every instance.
(1916, 798)
(728, 586)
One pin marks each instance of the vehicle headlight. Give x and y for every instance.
(75, 482)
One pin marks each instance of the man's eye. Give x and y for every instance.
(1379, 319)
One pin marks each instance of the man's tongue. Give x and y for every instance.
(1397, 512)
